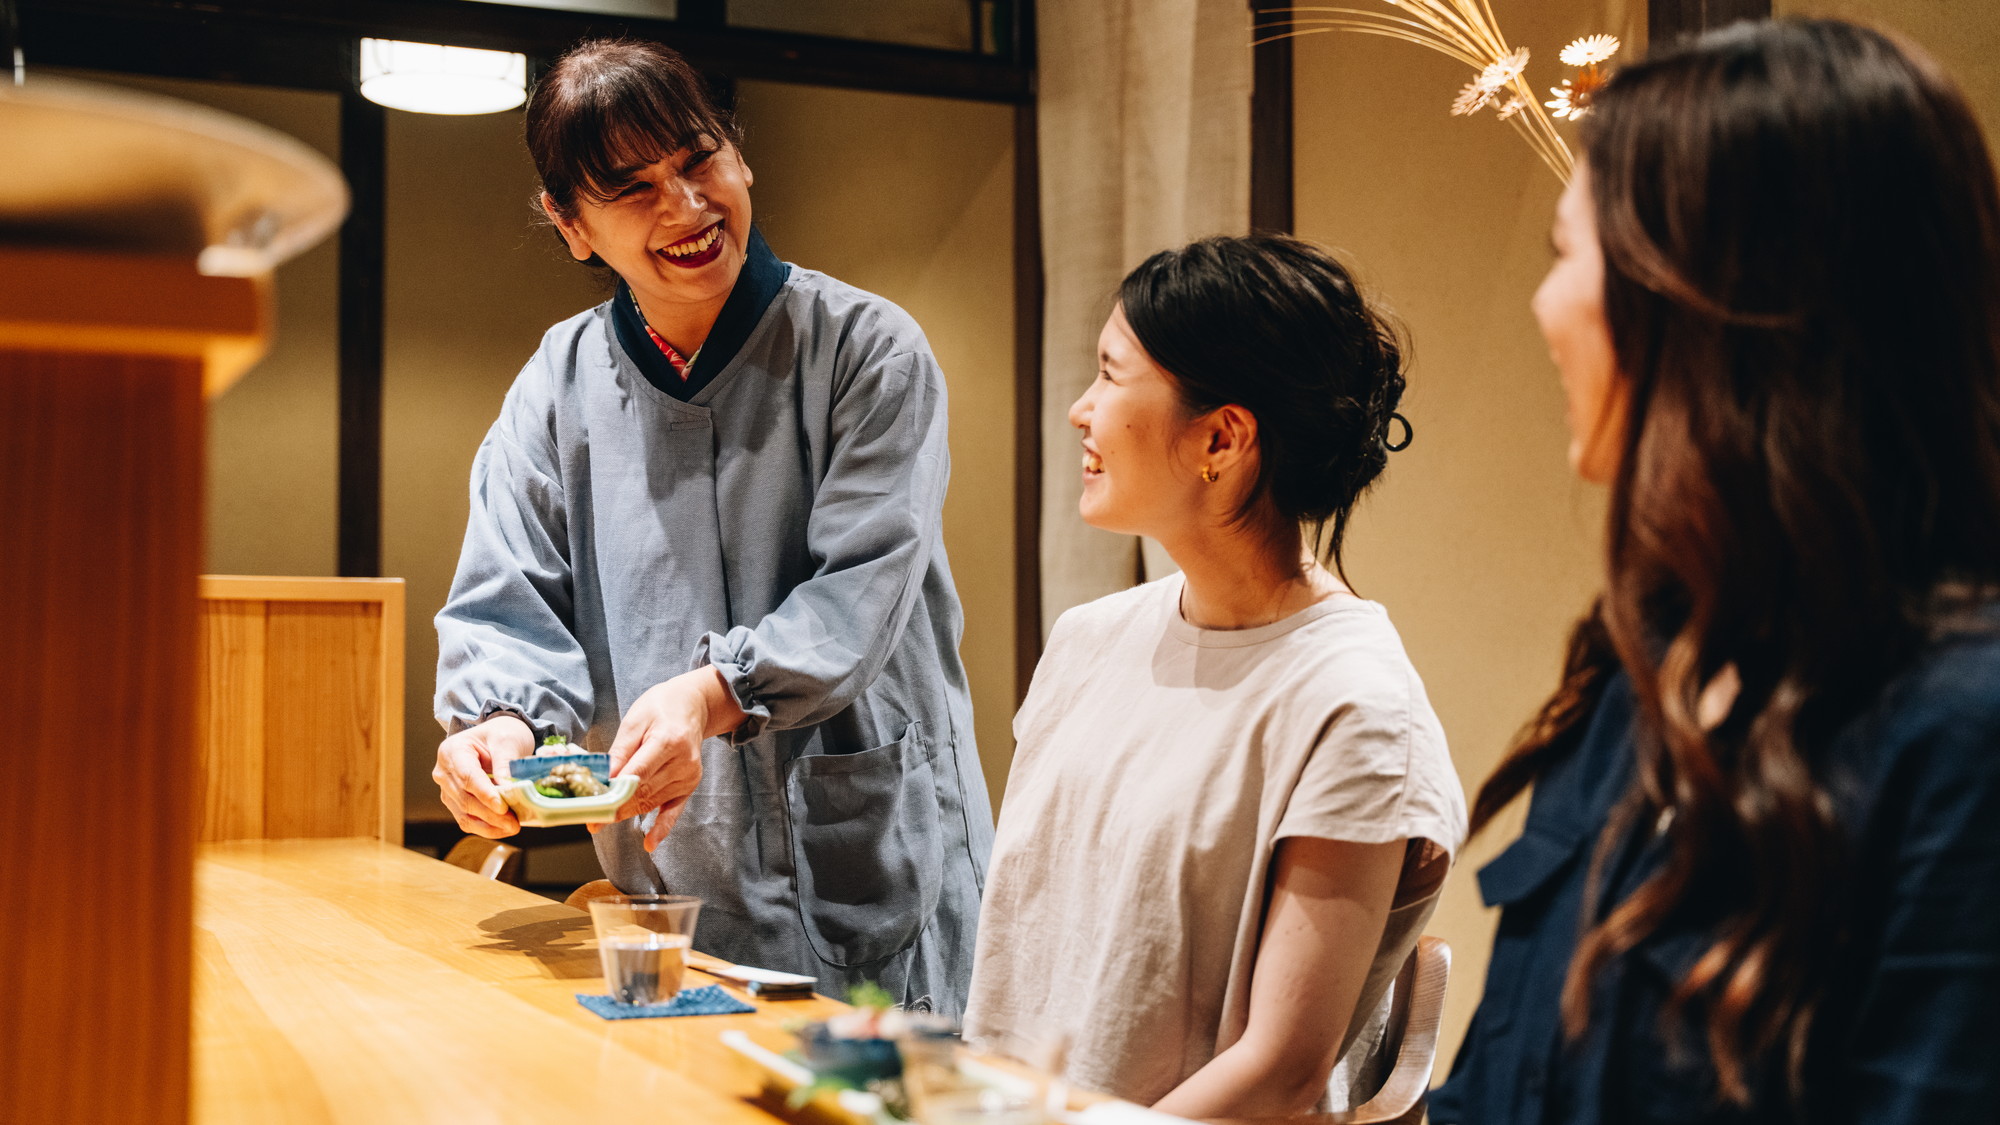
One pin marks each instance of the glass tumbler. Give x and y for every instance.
(642, 944)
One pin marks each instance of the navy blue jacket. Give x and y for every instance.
(1911, 1031)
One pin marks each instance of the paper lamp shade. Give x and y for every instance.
(429, 78)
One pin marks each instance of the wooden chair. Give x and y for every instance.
(579, 898)
(299, 717)
(489, 858)
(1408, 1047)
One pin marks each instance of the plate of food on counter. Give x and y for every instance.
(879, 1065)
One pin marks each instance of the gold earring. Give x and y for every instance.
(1210, 475)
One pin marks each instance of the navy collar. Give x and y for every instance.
(756, 287)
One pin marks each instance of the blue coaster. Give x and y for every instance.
(708, 1000)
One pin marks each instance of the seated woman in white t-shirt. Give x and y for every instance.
(1231, 807)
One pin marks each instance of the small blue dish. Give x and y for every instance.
(856, 1062)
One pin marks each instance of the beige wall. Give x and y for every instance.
(908, 197)
(912, 198)
(1480, 542)
(271, 436)
(471, 282)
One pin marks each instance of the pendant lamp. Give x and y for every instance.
(431, 78)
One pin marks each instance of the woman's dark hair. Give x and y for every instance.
(610, 106)
(1276, 326)
(1801, 240)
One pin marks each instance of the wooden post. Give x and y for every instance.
(137, 236)
(1271, 123)
(1028, 293)
(1668, 20)
(103, 360)
(364, 162)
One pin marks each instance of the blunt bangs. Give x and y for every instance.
(611, 107)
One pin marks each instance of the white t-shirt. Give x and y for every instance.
(1158, 764)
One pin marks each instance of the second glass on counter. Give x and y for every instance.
(946, 1086)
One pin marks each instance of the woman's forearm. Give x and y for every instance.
(1329, 902)
(1250, 1079)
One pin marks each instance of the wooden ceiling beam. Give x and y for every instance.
(303, 43)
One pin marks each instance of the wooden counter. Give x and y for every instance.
(354, 981)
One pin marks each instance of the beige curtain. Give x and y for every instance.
(1144, 116)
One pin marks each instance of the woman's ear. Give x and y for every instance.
(1232, 438)
(572, 233)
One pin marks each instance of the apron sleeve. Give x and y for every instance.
(875, 526)
(505, 641)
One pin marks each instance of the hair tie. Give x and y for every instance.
(1409, 434)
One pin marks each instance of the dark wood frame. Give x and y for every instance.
(358, 498)
(1271, 129)
(1027, 400)
(300, 43)
(1668, 20)
(311, 45)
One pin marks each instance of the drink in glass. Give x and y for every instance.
(642, 944)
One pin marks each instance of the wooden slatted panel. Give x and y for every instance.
(230, 716)
(322, 728)
(101, 486)
(301, 714)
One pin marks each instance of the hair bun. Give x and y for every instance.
(1278, 326)
(1409, 434)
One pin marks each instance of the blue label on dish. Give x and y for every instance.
(538, 767)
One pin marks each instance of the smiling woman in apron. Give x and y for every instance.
(705, 537)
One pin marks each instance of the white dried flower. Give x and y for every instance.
(1503, 70)
(1472, 99)
(1565, 103)
(1590, 50)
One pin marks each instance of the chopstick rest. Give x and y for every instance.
(764, 984)
(708, 1000)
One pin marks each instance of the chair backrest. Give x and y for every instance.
(1405, 1050)
(488, 858)
(299, 717)
(581, 897)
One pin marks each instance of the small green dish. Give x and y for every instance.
(537, 810)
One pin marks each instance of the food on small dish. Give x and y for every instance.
(868, 1048)
(859, 1046)
(571, 779)
(561, 786)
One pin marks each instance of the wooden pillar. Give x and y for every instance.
(364, 162)
(103, 361)
(1028, 293)
(137, 236)
(1668, 20)
(1271, 123)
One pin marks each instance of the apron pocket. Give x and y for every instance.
(868, 849)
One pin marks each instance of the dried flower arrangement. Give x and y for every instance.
(1466, 30)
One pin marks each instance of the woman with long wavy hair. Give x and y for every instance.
(1760, 877)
